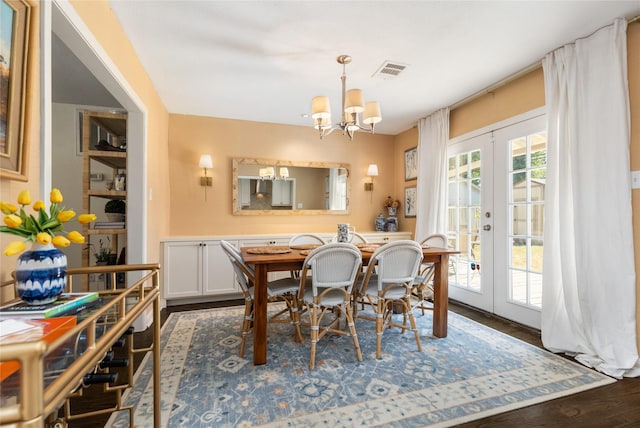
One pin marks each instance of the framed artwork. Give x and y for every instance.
(411, 164)
(15, 16)
(410, 199)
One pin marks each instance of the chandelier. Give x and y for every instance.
(352, 105)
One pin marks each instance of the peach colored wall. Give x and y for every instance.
(224, 139)
(9, 189)
(519, 96)
(103, 23)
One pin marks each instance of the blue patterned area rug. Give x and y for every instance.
(472, 373)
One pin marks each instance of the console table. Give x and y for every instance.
(50, 373)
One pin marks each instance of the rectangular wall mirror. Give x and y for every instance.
(276, 187)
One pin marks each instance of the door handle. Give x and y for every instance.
(486, 227)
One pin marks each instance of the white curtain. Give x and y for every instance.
(337, 189)
(432, 188)
(588, 299)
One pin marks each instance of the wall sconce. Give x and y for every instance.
(267, 173)
(206, 162)
(371, 172)
(284, 172)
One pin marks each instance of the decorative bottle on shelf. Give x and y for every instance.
(120, 180)
(380, 222)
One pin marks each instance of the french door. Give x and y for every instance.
(496, 218)
(470, 221)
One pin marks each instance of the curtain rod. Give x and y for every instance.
(517, 74)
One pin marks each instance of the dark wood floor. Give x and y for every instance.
(615, 405)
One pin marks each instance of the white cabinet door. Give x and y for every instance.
(217, 272)
(281, 193)
(182, 273)
(244, 192)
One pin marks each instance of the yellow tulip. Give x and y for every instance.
(55, 196)
(14, 248)
(24, 198)
(43, 238)
(8, 208)
(86, 218)
(65, 216)
(75, 237)
(39, 205)
(60, 241)
(12, 221)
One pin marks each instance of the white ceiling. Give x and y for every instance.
(265, 60)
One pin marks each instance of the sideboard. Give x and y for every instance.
(195, 269)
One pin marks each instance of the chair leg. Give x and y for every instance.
(412, 320)
(352, 330)
(246, 324)
(295, 313)
(379, 327)
(314, 335)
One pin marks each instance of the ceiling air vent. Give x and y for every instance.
(390, 69)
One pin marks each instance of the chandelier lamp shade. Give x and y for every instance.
(352, 106)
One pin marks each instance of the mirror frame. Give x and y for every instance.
(278, 163)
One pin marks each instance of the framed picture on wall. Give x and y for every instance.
(411, 164)
(14, 111)
(410, 197)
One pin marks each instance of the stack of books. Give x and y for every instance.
(67, 304)
(108, 225)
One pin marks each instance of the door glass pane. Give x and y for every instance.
(519, 186)
(465, 211)
(526, 200)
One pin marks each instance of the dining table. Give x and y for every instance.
(267, 259)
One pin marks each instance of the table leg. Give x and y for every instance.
(260, 315)
(441, 297)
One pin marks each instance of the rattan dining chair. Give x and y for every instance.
(422, 290)
(325, 298)
(284, 290)
(387, 286)
(305, 241)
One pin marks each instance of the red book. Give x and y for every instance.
(48, 329)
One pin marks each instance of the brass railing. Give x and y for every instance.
(33, 401)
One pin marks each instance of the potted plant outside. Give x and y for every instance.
(115, 210)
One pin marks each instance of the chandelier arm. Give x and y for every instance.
(324, 132)
(368, 129)
(343, 78)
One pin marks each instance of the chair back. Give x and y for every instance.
(306, 238)
(356, 238)
(244, 273)
(436, 240)
(334, 265)
(396, 263)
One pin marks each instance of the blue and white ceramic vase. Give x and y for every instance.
(380, 222)
(41, 274)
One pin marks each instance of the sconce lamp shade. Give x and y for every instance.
(373, 170)
(206, 161)
(372, 114)
(320, 108)
(284, 172)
